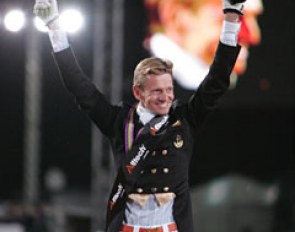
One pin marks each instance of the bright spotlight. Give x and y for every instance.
(71, 20)
(14, 20)
(40, 25)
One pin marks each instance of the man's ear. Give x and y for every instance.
(136, 92)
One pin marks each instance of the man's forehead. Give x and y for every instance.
(161, 76)
(164, 77)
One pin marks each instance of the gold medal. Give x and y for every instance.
(178, 143)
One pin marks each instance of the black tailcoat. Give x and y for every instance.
(111, 119)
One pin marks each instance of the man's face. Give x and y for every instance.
(156, 94)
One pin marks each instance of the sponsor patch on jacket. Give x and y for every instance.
(141, 154)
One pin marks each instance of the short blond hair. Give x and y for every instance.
(150, 66)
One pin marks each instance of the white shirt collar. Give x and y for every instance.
(144, 114)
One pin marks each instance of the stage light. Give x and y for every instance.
(14, 20)
(71, 20)
(39, 24)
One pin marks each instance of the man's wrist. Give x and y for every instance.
(232, 17)
(229, 33)
(54, 24)
(58, 39)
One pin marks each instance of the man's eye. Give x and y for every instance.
(156, 91)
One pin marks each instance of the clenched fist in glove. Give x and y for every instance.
(46, 10)
(233, 5)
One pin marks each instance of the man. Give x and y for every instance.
(152, 140)
(178, 31)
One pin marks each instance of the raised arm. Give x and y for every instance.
(216, 82)
(88, 97)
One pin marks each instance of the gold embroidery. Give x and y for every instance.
(161, 198)
(140, 199)
(178, 143)
(164, 198)
(177, 123)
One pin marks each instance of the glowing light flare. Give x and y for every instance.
(39, 24)
(71, 20)
(14, 20)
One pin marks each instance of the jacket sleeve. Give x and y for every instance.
(213, 86)
(87, 96)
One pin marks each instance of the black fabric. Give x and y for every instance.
(236, 1)
(132, 166)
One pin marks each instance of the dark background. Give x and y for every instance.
(251, 133)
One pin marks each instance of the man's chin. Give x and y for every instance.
(162, 111)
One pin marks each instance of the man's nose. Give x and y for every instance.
(250, 31)
(163, 96)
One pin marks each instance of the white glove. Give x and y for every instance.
(233, 5)
(46, 10)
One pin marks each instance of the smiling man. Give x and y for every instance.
(153, 88)
(152, 140)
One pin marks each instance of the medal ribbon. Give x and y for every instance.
(129, 129)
